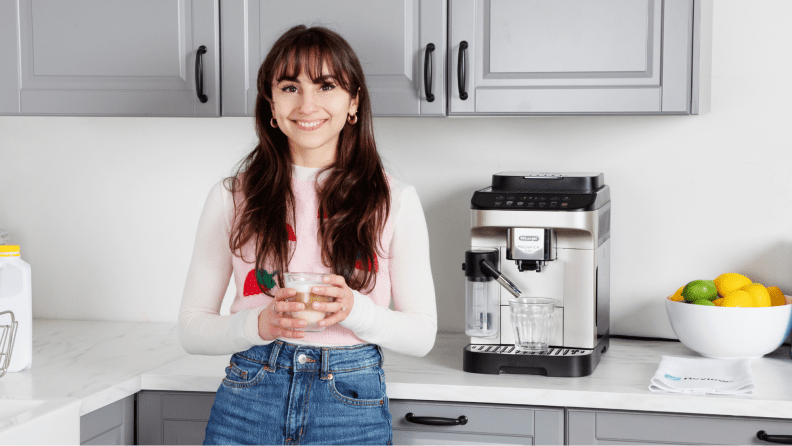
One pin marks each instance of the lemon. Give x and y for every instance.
(726, 283)
(759, 293)
(699, 289)
(676, 298)
(739, 298)
(704, 302)
(718, 302)
(776, 296)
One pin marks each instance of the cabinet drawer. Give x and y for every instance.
(614, 427)
(422, 438)
(544, 424)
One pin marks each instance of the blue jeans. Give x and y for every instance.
(284, 393)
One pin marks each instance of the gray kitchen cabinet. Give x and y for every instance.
(523, 57)
(112, 424)
(172, 417)
(390, 38)
(485, 423)
(620, 427)
(180, 418)
(109, 57)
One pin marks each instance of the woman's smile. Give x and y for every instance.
(309, 125)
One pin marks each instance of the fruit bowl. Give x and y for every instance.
(730, 332)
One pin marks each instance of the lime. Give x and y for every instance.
(704, 302)
(700, 289)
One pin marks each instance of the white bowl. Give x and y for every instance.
(730, 332)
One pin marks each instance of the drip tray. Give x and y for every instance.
(556, 361)
(511, 350)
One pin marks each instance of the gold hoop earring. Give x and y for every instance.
(352, 120)
(273, 123)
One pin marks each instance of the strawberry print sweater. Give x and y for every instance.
(399, 313)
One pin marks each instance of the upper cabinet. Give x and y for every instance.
(522, 57)
(420, 57)
(110, 57)
(401, 45)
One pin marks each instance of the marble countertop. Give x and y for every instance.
(102, 362)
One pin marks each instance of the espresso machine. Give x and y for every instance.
(539, 235)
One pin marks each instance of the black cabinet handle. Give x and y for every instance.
(461, 70)
(199, 74)
(428, 72)
(436, 421)
(783, 439)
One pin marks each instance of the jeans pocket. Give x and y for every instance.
(364, 387)
(243, 372)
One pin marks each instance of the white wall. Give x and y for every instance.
(106, 208)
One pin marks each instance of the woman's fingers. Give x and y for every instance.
(284, 307)
(328, 307)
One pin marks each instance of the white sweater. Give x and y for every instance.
(409, 328)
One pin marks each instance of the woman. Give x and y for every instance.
(311, 197)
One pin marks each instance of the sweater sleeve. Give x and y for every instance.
(202, 330)
(412, 326)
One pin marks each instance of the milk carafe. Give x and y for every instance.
(16, 296)
(482, 300)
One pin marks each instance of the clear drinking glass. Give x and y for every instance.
(532, 322)
(302, 283)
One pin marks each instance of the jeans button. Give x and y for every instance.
(302, 359)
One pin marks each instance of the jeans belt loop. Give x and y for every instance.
(272, 364)
(326, 364)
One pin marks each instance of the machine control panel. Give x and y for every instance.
(526, 200)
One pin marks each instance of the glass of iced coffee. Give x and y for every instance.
(302, 283)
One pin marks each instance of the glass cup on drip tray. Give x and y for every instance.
(303, 283)
(532, 322)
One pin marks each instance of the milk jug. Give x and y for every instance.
(16, 296)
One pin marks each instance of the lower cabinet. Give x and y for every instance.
(180, 418)
(112, 424)
(483, 423)
(161, 417)
(620, 427)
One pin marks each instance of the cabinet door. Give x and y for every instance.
(570, 56)
(112, 424)
(390, 38)
(619, 427)
(109, 57)
(485, 423)
(173, 417)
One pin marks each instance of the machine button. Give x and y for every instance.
(498, 203)
(563, 205)
(530, 205)
(553, 203)
(554, 199)
(520, 203)
(565, 199)
(500, 197)
(542, 198)
(509, 203)
(541, 205)
(510, 198)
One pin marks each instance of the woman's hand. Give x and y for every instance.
(272, 324)
(338, 310)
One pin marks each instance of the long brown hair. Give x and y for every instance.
(354, 197)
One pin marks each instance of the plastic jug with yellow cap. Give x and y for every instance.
(16, 296)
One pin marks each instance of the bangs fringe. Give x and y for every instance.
(310, 54)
